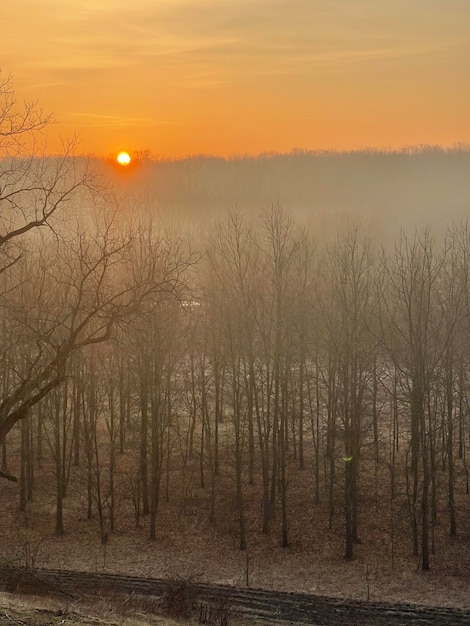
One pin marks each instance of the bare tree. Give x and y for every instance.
(86, 284)
(415, 334)
(349, 292)
(34, 188)
(227, 293)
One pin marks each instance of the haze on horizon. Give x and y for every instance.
(224, 77)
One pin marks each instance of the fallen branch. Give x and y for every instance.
(8, 477)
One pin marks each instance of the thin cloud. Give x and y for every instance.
(106, 34)
(97, 119)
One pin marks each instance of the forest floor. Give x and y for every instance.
(190, 545)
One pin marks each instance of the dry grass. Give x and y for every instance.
(38, 611)
(110, 611)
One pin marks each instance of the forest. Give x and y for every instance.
(142, 360)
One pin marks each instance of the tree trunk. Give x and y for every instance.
(348, 506)
(143, 438)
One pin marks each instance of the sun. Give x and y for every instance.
(123, 158)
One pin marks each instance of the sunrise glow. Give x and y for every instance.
(224, 78)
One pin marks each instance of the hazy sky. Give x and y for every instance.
(182, 77)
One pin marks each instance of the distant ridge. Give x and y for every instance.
(385, 188)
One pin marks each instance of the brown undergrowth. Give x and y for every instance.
(190, 545)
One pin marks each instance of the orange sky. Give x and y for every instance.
(226, 77)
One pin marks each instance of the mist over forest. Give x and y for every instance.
(382, 191)
(183, 363)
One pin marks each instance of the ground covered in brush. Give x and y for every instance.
(38, 611)
(106, 608)
(190, 545)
